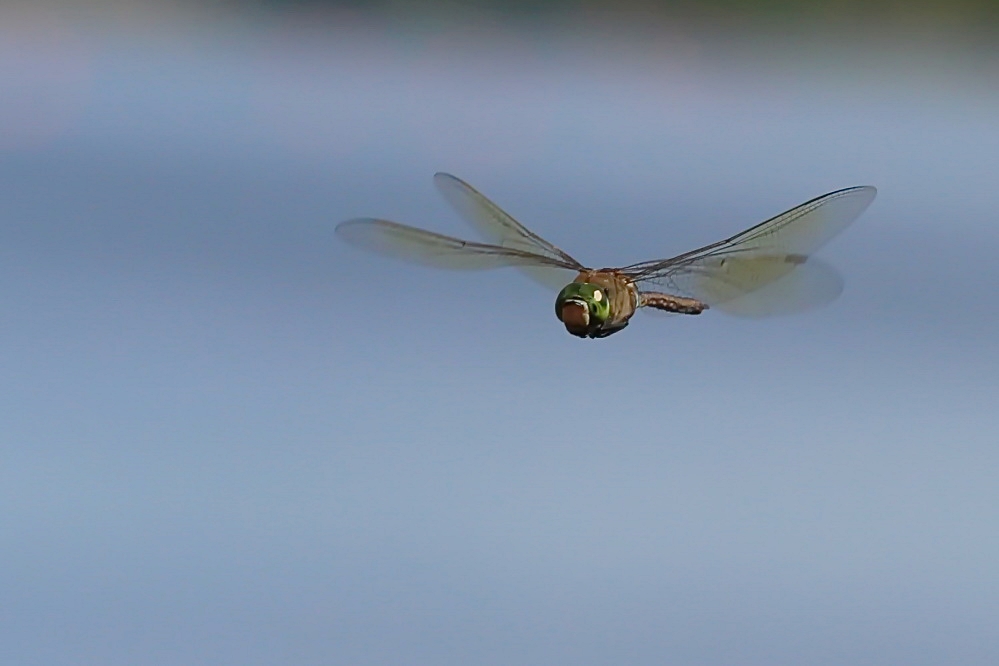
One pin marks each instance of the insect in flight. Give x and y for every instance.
(762, 271)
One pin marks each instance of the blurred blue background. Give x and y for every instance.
(226, 438)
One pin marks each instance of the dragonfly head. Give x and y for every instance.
(583, 307)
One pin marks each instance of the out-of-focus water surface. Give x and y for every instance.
(226, 438)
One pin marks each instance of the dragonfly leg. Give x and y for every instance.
(604, 332)
(671, 303)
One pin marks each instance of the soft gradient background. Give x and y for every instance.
(226, 438)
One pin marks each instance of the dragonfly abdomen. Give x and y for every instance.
(671, 303)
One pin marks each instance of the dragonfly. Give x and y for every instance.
(766, 270)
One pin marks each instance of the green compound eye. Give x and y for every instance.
(592, 295)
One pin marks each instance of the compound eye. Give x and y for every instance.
(598, 295)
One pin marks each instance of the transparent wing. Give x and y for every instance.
(430, 249)
(764, 270)
(761, 286)
(499, 227)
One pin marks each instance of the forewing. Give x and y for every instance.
(499, 227)
(765, 270)
(431, 249)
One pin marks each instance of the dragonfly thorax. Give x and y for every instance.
(583, 307)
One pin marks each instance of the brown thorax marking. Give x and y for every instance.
(621, 292)
(625, 298)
